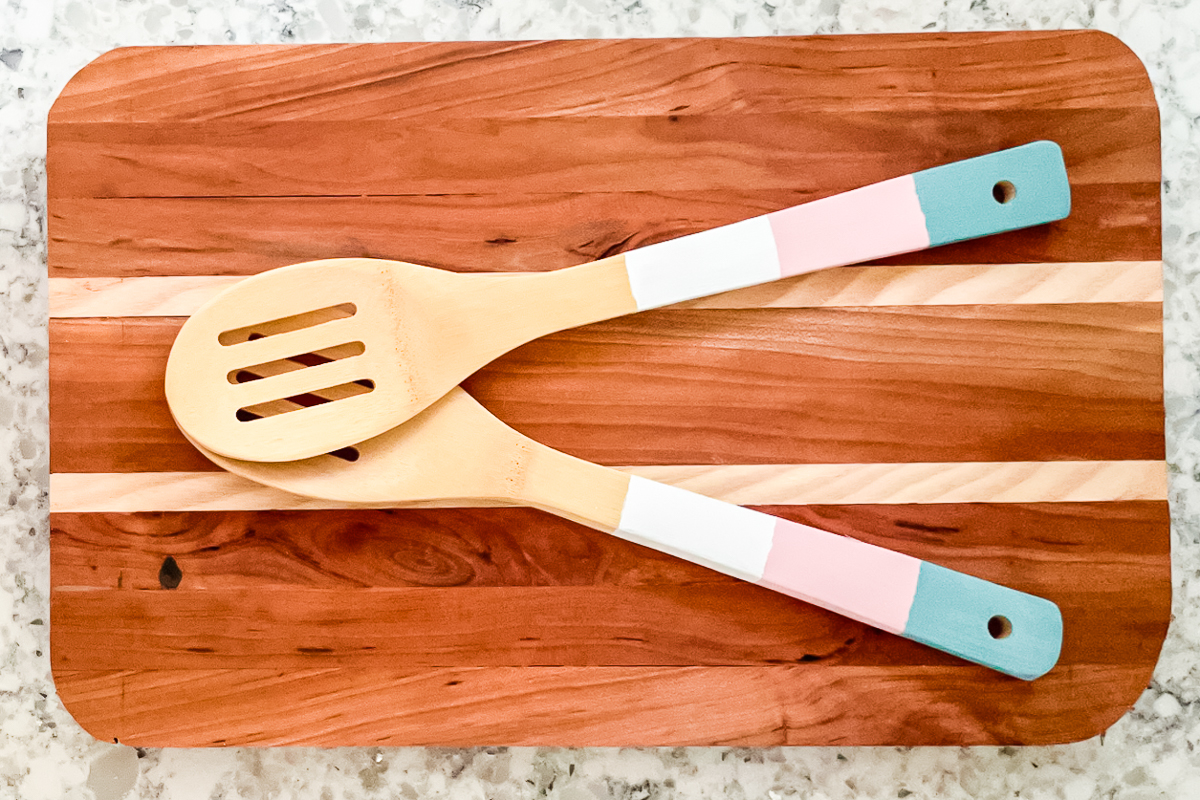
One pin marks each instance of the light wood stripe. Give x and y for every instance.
(967, 482)
(960, 284)
(954, 285)
(175, 296)
(783, 484)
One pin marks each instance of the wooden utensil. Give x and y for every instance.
(456, 451)
(389, 338)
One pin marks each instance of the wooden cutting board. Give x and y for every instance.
(994, 406)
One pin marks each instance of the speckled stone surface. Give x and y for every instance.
(44, 755)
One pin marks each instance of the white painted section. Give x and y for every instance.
(724, 537)
(717, 260)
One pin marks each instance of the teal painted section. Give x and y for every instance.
(958, 202)
(951, 612)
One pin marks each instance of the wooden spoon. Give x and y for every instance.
(457, 451)
(391, 337)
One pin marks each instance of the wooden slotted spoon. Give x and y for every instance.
(456, 451)
(390, 338)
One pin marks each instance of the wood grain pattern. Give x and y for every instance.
(341, 548)
(517, 587)
(567, 79)
(514, 626)
(743, 484)
(128, 237)
(538, 155)
(759, 706)
(828, 386)
(1008, 426)
(116, 210)
(951, 284)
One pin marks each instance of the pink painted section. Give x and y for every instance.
(879, 220)
(858, 580)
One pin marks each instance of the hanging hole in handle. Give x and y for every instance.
(1004, 191)
(1000, 627)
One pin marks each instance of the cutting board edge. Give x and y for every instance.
(778, 735)
(1102, 38)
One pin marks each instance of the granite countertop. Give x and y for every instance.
(1148, 754)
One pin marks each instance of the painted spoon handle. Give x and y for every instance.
(1001, 191)
(1001, 628)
